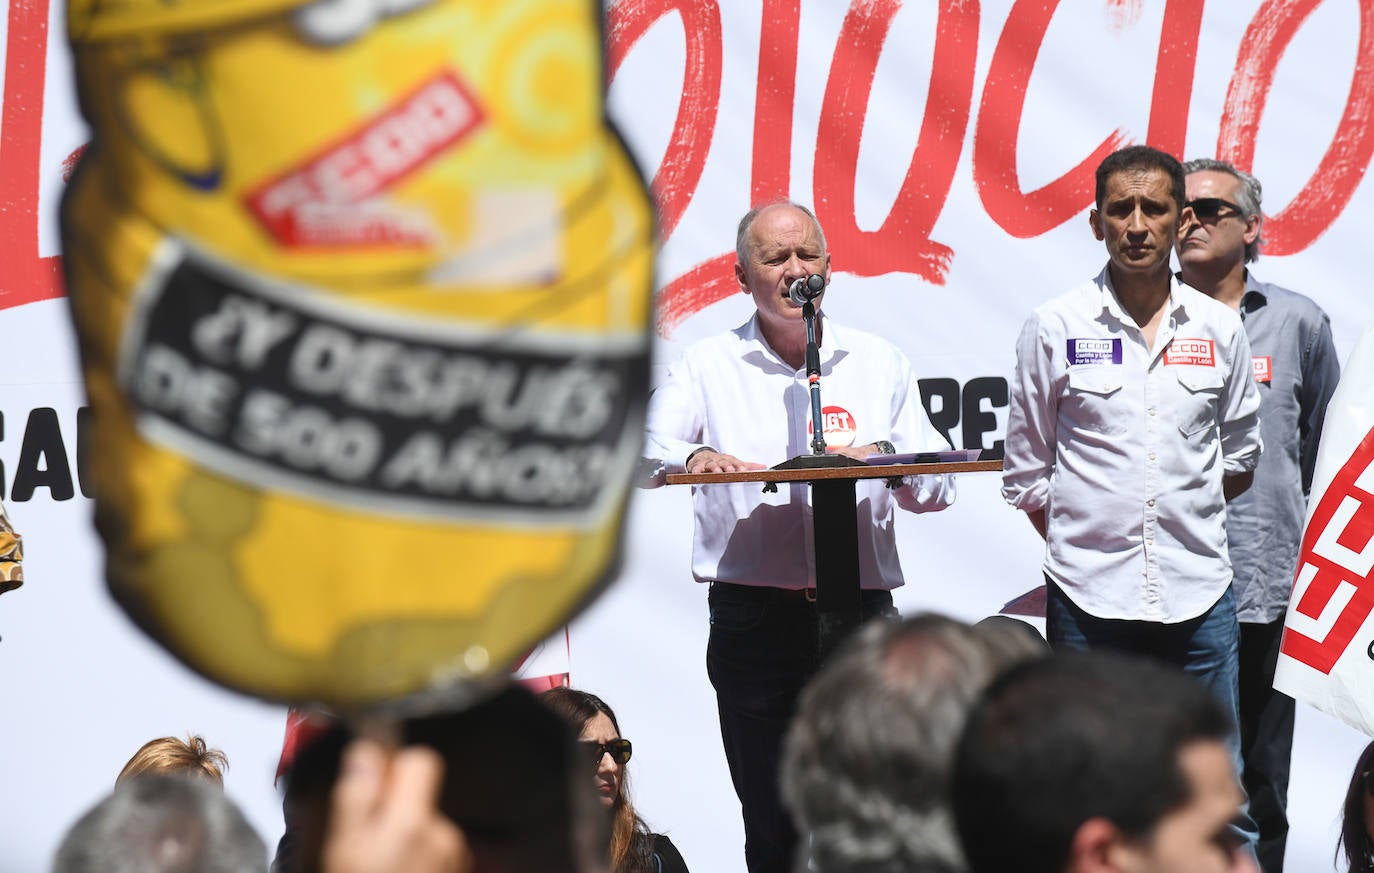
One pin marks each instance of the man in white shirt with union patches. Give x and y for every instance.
(1134, 416)
(735, 402)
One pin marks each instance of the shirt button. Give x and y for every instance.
(1151, 456)
(1150, 542)
(1150, 502)
(1152, 410)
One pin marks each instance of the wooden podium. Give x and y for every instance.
(835, 516)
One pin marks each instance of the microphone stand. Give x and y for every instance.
(835, 518)
(813, 376)
(819, 457)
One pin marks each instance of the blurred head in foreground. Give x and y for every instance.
(513, 782)
(867, 761)
(162, 824)
(1093, 763)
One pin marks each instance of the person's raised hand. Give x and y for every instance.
(384, 815)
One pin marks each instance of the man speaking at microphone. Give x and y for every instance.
(740, 401)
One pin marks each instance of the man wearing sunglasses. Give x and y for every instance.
(1133, 417)
(1296, 370)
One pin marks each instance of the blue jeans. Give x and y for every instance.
(761, 652)
(1206, 648)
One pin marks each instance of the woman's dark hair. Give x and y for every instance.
(631, 847)
(1355, 840)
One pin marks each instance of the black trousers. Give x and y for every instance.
(761, 652)
(1266, 739)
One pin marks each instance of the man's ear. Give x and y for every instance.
(1098, 846)
(1095, 222)
(1252, 229)
(739, 277)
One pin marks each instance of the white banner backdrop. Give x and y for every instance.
(947, 148)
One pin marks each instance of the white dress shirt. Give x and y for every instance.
(734, 393)
(1125, 447)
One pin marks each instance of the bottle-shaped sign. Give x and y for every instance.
(363, 290)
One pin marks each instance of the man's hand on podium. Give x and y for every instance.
(709, 461)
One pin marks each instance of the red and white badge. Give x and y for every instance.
(839, 427)
(331, 198)
(1263, 365)
(1191, 352)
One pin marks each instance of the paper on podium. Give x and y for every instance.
(931, 457)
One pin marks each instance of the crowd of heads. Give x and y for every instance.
(924, 745)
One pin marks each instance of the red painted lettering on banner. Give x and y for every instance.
(1334, 557)
(775, 100)
(1024, 214)
(1331, 186)
(902, 243)
(24, 276)
(695, 125)
(693, 291)
(1174, 68)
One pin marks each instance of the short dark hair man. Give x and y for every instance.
(1133, 418)
(867, 761)
(1095, 763)
(1296, 371)
(734, 402)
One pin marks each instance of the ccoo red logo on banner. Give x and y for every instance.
(1334, 569)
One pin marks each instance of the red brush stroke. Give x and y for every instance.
(706, 283)
(1333, 183)
(26, 277)
(1024, 214)
(626, 23)
(902, 243)
(1175, 65)
(775, 100)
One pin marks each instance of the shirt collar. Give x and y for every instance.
(1175, 308)
(832, 341)
(1254, 296)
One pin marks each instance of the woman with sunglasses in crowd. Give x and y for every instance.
(633, 848)
(1357, 825)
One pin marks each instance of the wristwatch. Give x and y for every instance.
(884, 447)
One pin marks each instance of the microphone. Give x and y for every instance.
(806, 289)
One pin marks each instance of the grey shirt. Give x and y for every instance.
(1296, 369)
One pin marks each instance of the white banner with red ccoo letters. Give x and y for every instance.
(947, 147)
(1327, 655)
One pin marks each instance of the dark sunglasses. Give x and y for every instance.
(619, 750)
(1210, 208)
